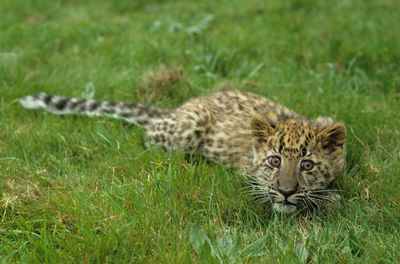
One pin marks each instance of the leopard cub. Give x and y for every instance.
(289, 160)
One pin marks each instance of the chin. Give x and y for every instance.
(284, 208)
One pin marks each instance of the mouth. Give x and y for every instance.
(285, 207)
(286, 202)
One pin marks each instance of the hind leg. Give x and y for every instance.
(183, 130)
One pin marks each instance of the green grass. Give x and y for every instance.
(75, 189)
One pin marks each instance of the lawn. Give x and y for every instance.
(78, 190)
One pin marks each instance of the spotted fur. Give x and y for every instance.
(239, 129)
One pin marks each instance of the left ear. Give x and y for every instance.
(332, 137)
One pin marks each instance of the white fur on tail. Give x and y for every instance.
(32, 102)
(130, 112)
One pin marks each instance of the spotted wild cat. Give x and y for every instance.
(289, 160)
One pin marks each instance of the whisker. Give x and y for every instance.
(309, 204)
(314, 202)
(248, 177)
(255, 196)
(260, 196)
(262, 199)
(248, 186)
(256, 191)
(254, 188)
(322, 198)
(253, 183)
(303, 203)
(326, 191)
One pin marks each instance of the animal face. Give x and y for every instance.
(295, 162)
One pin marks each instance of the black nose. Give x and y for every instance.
(287, 193)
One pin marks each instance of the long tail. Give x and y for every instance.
(130, 112)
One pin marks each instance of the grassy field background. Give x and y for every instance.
(75, 189)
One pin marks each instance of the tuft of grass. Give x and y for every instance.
(76, 189)
(160, 85)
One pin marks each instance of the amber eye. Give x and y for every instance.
(307, 165)
(274, 161)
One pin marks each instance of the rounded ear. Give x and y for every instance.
(332, 137)
(261, 128)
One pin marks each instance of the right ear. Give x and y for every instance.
(261, 129)
(332, 137)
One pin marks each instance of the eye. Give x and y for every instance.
(274, 161)
(307, 165)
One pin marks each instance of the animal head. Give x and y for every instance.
(294, 161)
